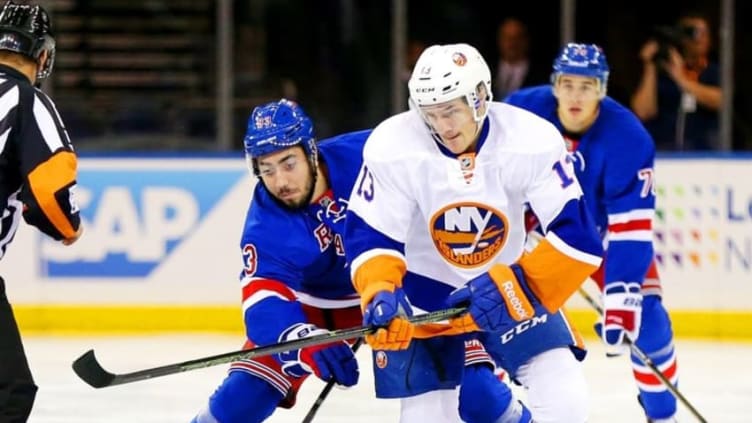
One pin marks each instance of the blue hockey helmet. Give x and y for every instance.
(583, 60)
(26, 29)
(276, 126)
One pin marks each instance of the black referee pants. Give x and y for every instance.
(17, 387)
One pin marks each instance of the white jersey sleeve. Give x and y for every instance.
(380, 198)
(554, 183)
(570, 250)
(379, 212)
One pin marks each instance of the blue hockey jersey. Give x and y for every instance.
(613, 162)
(293, 257)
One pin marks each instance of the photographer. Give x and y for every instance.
(679, 93)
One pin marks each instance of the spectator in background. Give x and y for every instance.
(679, 93)
(414, 48)
(514, 70)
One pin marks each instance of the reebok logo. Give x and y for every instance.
(519, 309)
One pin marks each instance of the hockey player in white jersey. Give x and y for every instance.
(436, 219)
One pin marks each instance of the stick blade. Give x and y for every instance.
(90, 371)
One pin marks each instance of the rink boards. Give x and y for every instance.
(160, 249)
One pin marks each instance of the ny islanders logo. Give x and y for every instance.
(468, 234)
(459, 59)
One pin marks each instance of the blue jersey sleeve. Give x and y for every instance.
(629, 199)
(269, 302)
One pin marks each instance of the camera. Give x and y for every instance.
(671, 36)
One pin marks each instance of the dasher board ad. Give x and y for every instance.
(156, 231)
(703, 232)
(166, 231)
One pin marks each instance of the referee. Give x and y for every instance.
(37, 175)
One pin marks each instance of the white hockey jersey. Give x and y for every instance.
(417, 207)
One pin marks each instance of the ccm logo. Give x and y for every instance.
(523, 327)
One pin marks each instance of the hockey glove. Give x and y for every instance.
(622, 311)
(496, 300)
(335, 360)
(386, 307)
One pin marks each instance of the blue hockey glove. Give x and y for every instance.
(496, 300)
(387, 308)
(335, 360)
(622, 314)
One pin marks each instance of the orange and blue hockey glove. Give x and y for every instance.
(386, 307)
(496, 300)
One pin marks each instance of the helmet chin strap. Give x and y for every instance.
(314, 161)
(478, 126)
(480, 118)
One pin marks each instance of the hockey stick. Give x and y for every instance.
(90, 371)
(325, 392)
(648, 362)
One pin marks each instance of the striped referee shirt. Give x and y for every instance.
(37, 162)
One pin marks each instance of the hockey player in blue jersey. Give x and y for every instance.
(436, 219)
(295, 281)
(613, 157)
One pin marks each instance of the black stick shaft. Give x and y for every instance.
(649, 363)
(325, 392)
(87, 366)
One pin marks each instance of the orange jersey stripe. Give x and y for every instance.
(579, 342)
(552, 275)
(47, 179)
(380, 268)
(430, 330)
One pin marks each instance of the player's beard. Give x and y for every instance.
(303, 202)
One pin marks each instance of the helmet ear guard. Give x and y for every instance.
(26, 30)
(587, 60)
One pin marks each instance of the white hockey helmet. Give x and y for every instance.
(446, 72)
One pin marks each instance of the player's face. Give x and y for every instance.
(579, 97)
(454, 123)
(287, 176)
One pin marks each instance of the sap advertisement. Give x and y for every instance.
(163, 231)
(166, 232)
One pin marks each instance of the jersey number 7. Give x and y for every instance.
(561, 170)
(647, 176)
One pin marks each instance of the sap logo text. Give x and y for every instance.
(119, 225)
(522, 327)
(133, 222)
